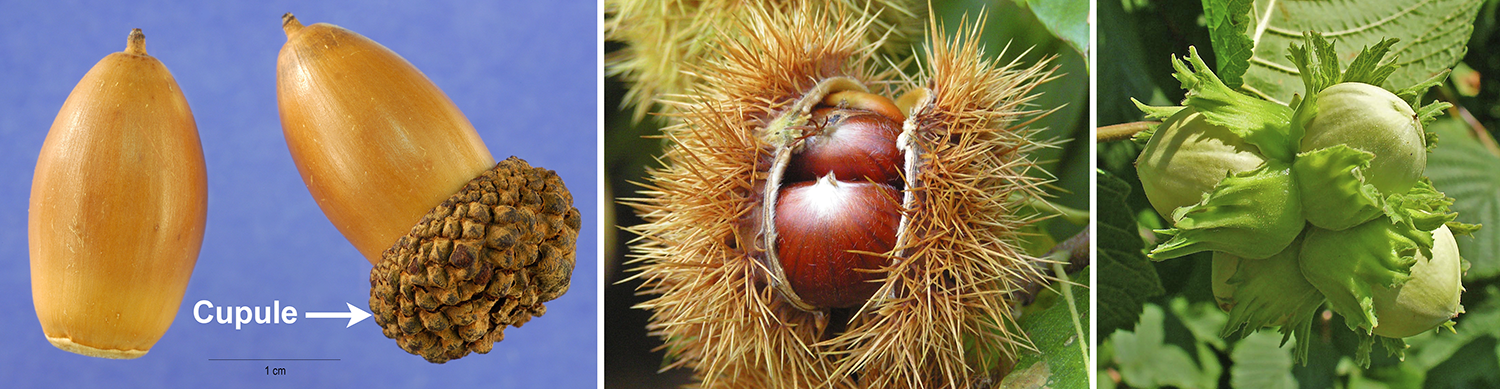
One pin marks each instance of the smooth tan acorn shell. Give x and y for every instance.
(117, 209)
(377, 143)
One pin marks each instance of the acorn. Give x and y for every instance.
(462, 246)
(117, 212)
(377, 143)
(768, 266)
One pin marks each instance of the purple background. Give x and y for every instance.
(524, 72)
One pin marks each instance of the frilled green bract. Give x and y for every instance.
(1325, 72)
(1430, 298)
(1337, 212)
(1347, 109)
(1261, 123)
(1425, 209)
(1254, 215)
(1336, 174)
(1269, 292)
(1345, 265)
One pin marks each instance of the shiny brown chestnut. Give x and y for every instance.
(854, 144)
(832, 235)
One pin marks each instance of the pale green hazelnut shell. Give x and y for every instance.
(1187, 157)
(1429, 299)
(1372, 119)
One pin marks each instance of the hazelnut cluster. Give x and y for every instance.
(1322, 201)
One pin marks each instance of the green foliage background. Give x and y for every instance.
(1157, 321)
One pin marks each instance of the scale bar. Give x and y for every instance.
(273, 359)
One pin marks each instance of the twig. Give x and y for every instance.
(1478, 128)
(1445, 93)
(1072, 215)
(1075, 251)
(1122, 131)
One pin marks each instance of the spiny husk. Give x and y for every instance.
(715, 305)
(969, 172)
(664, 36)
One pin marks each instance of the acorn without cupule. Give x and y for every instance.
(118, 205)
(462, 246)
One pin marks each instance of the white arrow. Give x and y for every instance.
(354, 315)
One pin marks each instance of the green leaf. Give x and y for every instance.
(1450, 358)
(1432, 33)
(1132, 280)
(1462, 169)
(1462, 370)
(1261, 361)
(1145, 361)
(1336, 175)
(1227, 21)
(1128, 66)
(1059, 336)
(1066, 19)
(1253, 214)
(1136, 38)
(1202, 319)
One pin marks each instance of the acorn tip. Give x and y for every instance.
(136, 44)
(290, 24)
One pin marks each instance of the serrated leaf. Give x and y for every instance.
(1462, 169)
(1261, 361)
(1066, 20)
(1433, 35)
(1132, 280)
(1227, 21)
